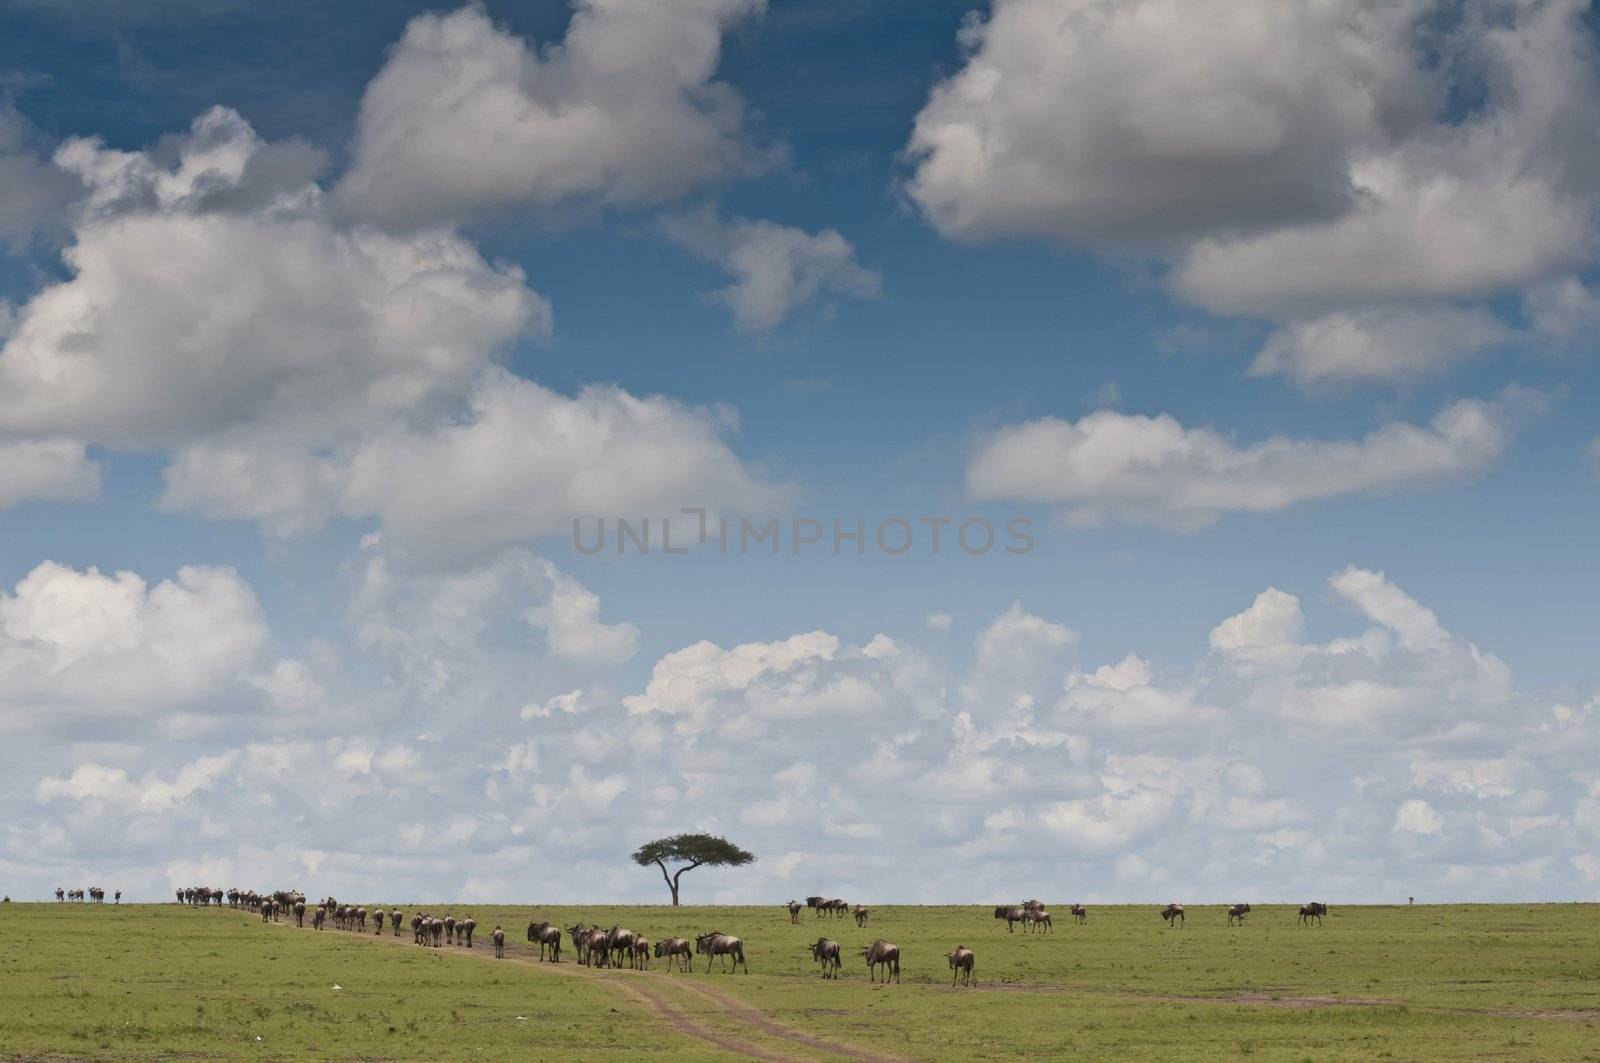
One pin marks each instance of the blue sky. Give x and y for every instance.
(351, 315)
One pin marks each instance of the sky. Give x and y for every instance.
(1157, 447)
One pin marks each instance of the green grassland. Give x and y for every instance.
(1430, 982)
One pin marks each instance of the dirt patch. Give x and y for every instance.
(680, 1022)
(1268, 1000)
(760, 1020)
(1590, 1015)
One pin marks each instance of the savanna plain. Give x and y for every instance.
(168, 981)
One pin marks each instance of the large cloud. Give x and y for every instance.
(81, 647)
(294, 368)
(466, 119)
(177, 326)
(1130, 467)
(1290, 158)
(1105, 122)
(211, 303)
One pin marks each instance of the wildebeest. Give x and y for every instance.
(826, 952)
(861, 912)
(465, 928)
(266, 911)
(499, 943)
(438, 932)
(1011, 913)
(590, 944)
(675, 947)
(61, 894)
(299, 913)
(961, 961)
(416, 928)
(548, 938)
(816, 904)
(449, 930)
(886, 953)
(1315, 910)
(1037, 919)
(713, 944)
(395, 918)
(580, 941)
(1080, 914)
(794, 910)
(622, 941)
(118, 898)
(378, 917)
(616, 943)
(1237, 912)
(641, 952)
(318, 916)
(1173, 914)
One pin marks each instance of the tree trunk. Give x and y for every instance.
(671, 880)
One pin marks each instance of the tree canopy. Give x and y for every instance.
(691, 851)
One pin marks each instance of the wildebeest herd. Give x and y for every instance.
(829, 906)
(617, 946)
(95, 895)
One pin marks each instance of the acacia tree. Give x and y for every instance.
(691, 851)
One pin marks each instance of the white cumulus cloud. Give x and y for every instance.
(80, 646)
(1301, 161)
(466, 119)
(1131, 467)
